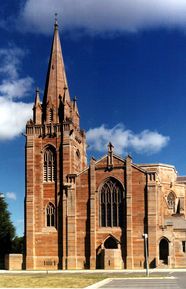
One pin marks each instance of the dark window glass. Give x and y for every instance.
(108, 215)
(184, 246)
(115, 217)
(103, 214)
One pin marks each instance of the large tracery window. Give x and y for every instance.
(111, 204)
(50, 215)
(49, 168)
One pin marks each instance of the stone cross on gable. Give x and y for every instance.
(110, 155)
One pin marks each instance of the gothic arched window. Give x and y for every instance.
(50, 215)
(111, 204)
(171, 200)
(49, 165)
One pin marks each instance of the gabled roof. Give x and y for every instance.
(178, 222)
(114, 156)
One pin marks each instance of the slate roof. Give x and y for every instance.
(178, 222)
(181, 179)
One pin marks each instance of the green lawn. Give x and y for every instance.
(51, 280)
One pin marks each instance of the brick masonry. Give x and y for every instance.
(77, 239)
(14, 262)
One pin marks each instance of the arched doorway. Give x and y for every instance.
(109, 254)
(164, 250)
(111, 243)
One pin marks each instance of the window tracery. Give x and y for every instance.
(111, 204)
(50, 215)
(171, 200)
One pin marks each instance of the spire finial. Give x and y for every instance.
(110, 155)
(56, 23)
(110, 147)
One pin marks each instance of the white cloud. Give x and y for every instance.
(16, 88)
(13, 117)
(14, 113)
(11, 196)
(98, 16)
(144, 142)
(11, 61)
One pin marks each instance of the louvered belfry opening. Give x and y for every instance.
(49, 169)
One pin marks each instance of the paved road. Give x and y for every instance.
(175, 280)
(180, 277)
(143, 283)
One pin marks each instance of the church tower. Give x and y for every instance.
(55, 153)
(108, 215)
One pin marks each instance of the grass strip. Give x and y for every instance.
(66, 280)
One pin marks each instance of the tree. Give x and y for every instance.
(18, 245)
(7, 229)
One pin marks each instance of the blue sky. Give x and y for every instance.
(126, 63)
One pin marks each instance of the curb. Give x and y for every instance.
(99, 284)
(107, 280)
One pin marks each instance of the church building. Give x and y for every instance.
(98, 215)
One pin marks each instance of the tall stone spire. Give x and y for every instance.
(56, 86)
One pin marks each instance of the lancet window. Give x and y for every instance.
(50, 215)
(49, 168)
(111, 204)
